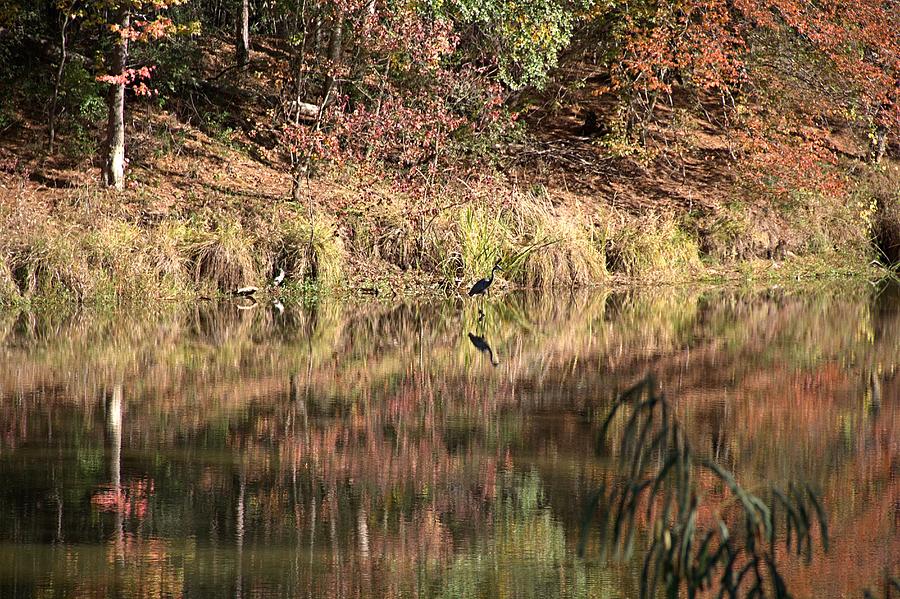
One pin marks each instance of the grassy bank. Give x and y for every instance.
(208, 205)
(85, 248)
(207, 211)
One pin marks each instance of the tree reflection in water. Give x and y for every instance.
(367, 450)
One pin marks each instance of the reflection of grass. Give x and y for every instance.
(566, 323)
(521, 558)
(342, 351)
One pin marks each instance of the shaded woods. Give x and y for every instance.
(339, 451)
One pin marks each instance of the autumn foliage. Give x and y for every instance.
(426, 88)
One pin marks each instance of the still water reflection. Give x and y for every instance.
(418, 450)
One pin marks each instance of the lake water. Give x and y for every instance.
(377, 450)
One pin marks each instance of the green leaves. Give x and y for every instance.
(524, 38)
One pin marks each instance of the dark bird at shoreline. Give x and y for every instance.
(481, 286)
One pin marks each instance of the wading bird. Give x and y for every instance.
(279, 278)
(481, 286)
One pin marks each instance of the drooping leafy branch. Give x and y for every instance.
(703, 529)
(891, 586)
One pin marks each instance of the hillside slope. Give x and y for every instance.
(569, 200)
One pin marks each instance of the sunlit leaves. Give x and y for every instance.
(705, 43)
(522, 39)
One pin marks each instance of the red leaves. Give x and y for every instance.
(783, 161)
(861, 39)
(704, 42)
(311, 143)
(697, 38)
(829, 60)
(142, 30)
(404, 100)
(133, 78)
(132, 499)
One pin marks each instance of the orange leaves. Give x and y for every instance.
(130, 500)
(149, 28)
(859, 38)
(703, 42)
(695, 39)
(135, 79)
(783, 160)
(144, 30)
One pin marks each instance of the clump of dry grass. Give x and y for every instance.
(9, 291)
(221, 255)
(166, 252)
(733, 234)
(881, 205)
(105, 262)
(397, 232)
(887, 233)
(481, 236)
(559, 249)
(47, 260)
(119, 254)
(654, 247)
(311, 251)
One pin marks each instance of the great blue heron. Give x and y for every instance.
(481, 286)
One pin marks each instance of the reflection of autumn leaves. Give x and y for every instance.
(153, 570)
(863, 498)
(416, 460)
(132, 499)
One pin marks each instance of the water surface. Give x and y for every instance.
(415, 450)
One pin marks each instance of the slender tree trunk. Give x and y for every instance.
(51, 121)
(879, 145)
(114, 159)
(243, 33)
(334, 57)
(318, 41)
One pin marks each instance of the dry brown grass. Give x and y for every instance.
(221, 255)
(654, 247)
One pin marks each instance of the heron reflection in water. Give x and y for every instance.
(483, 346)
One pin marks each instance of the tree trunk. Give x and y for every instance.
(319, 36)
(243, 33)
(334, 57)
(879, 144)
(114, 159)
(297, 183)
(51, 121)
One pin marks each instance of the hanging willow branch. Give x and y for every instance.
(655, 493)
(891, 589)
